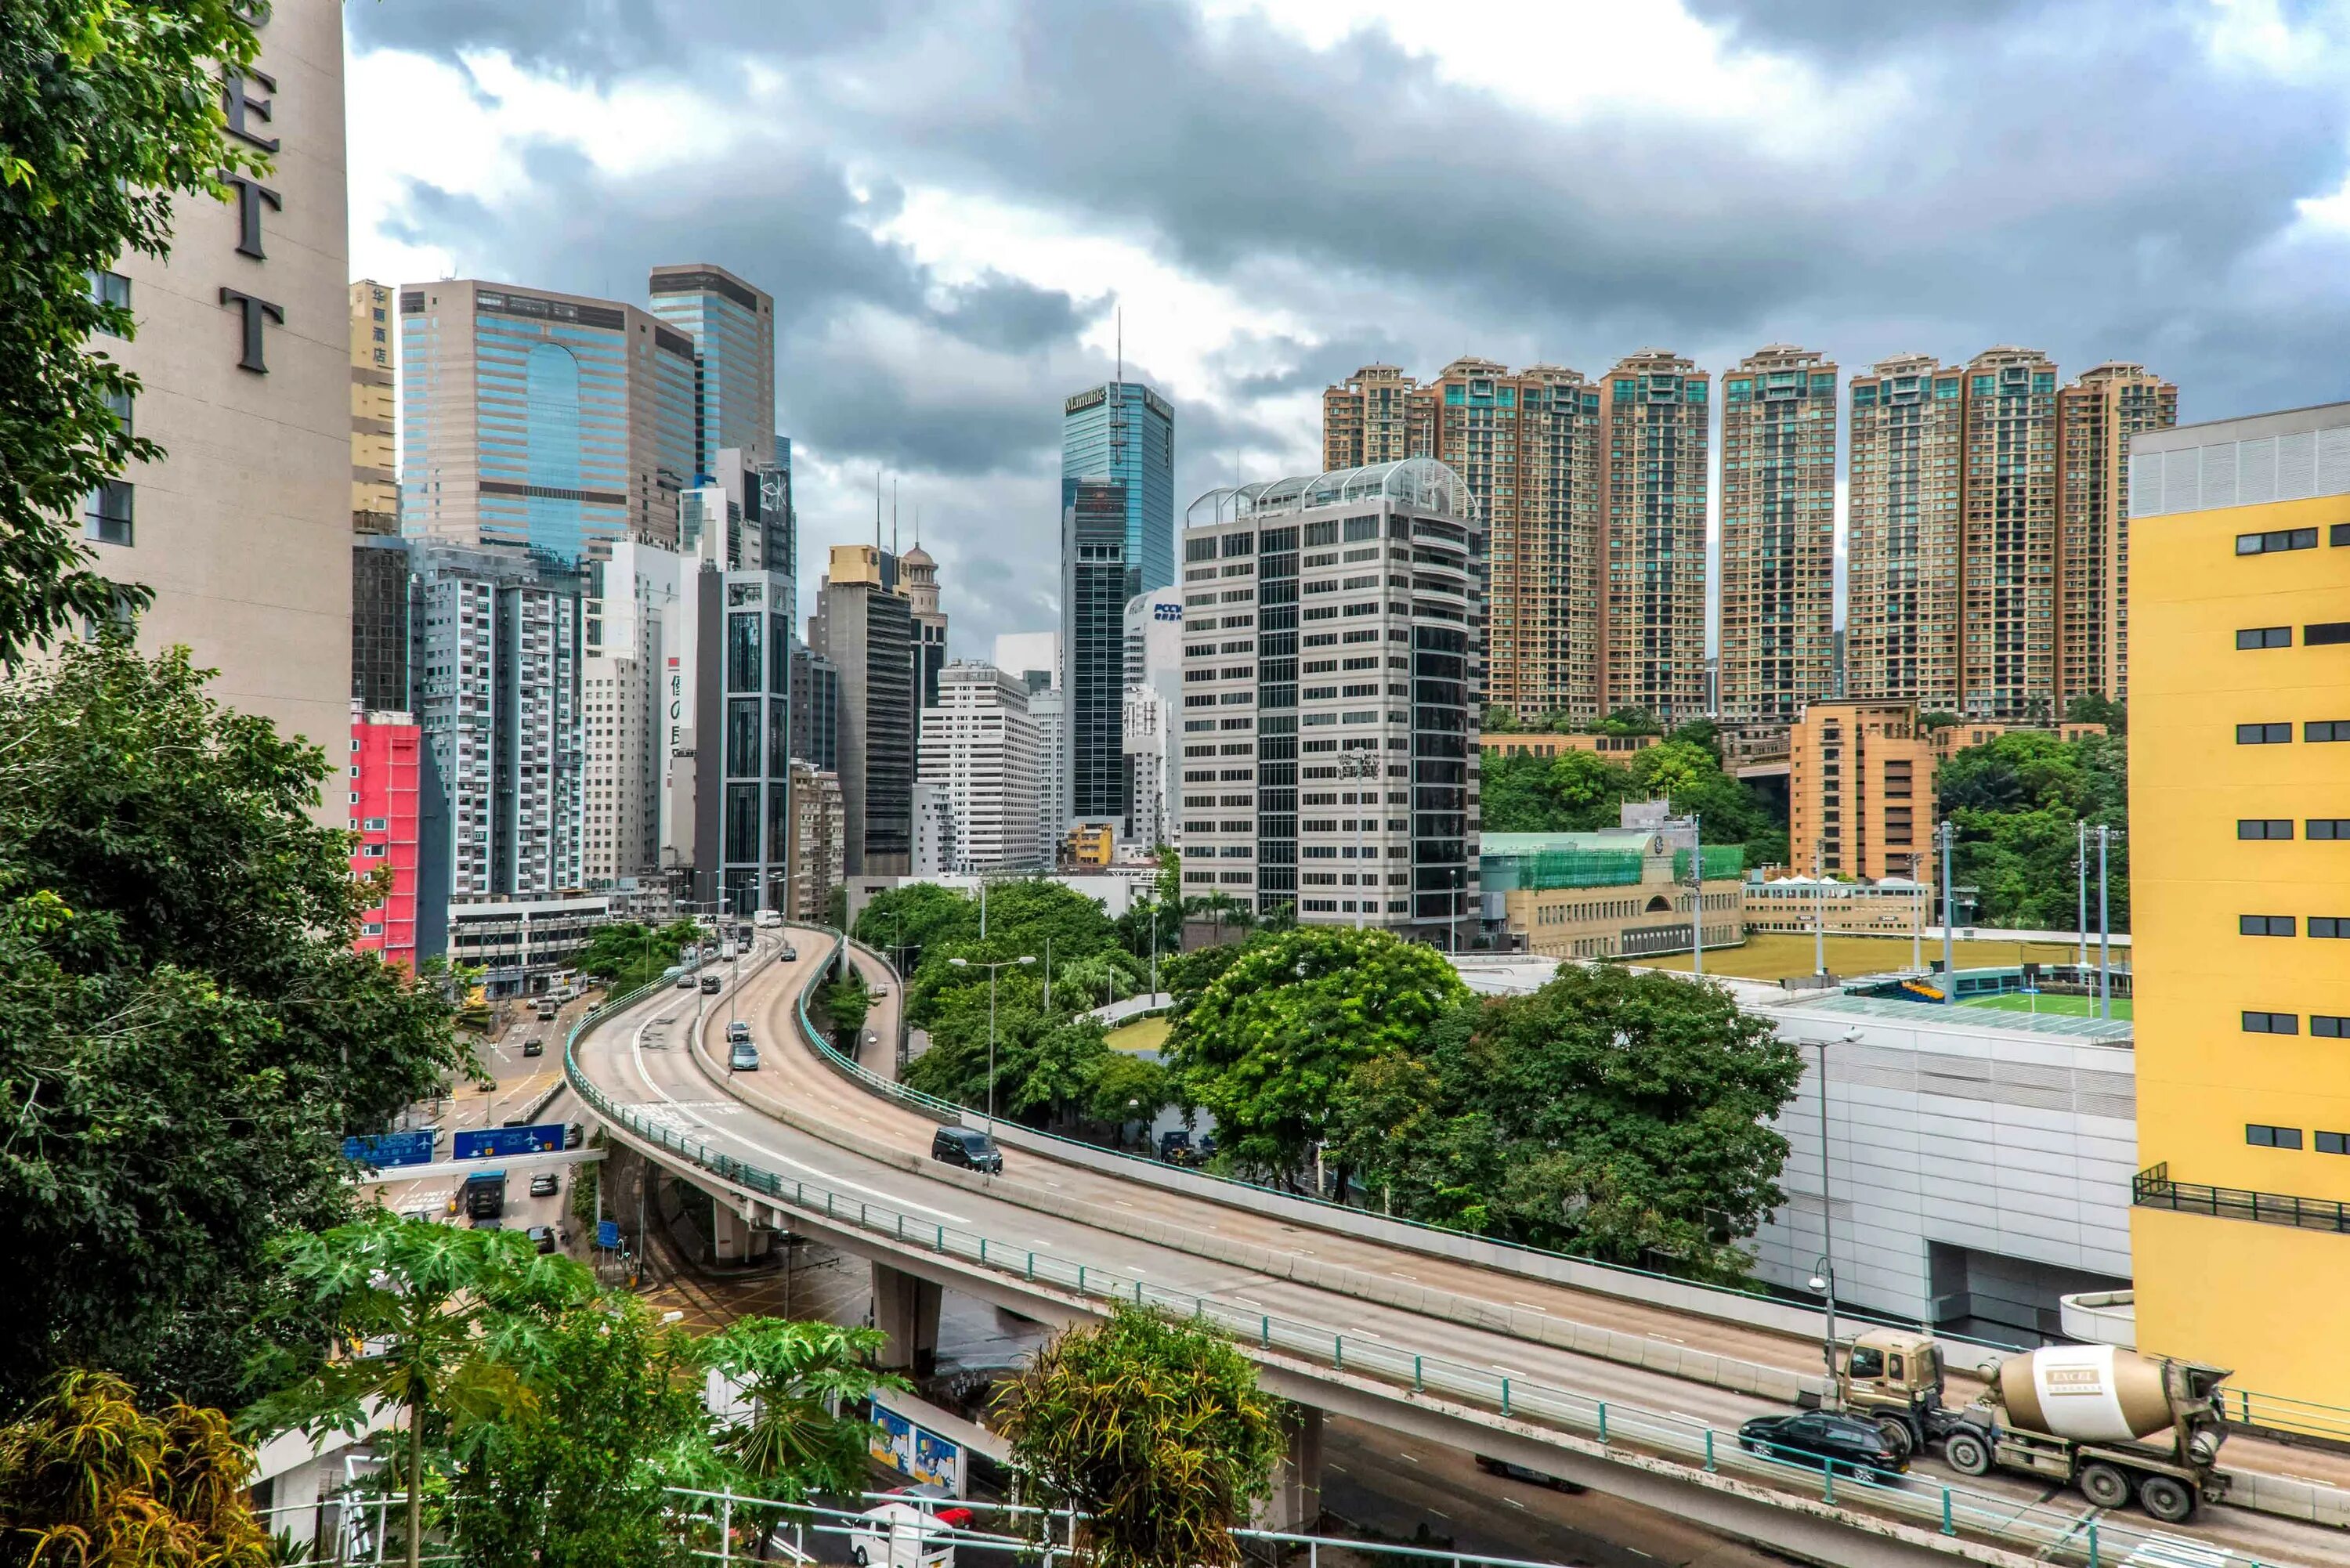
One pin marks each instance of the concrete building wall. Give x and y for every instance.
(375, 479)
(1860, 792)
(242, 528)
(980, 752)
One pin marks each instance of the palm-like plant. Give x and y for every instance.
(89, 1478)
(796, 1378)
(429, 1320)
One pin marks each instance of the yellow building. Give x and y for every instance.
(1091, 845)
(375, 489)
(2239, 828)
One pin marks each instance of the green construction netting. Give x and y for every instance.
(1548, 869)
(1723, 861)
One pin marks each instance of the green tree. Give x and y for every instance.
(111, 113)
(450, 1318)
(846, 1002)
(1153, 1429)
(2089, 707)
(89, 1478)
(1221, 910)
(626, 954)
(1163, 907)
(1621, 1115)
(1269, 1042)
(185, 1033)
(1630, 722)
(905, 921)
(1500, 720)
(2015, 801)
(797, 1378)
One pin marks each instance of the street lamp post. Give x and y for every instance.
(1825, 1280)
(1949, 962)
(990, 969)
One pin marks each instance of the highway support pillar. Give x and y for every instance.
(734, 1240)
(1296, 1505)
(906, 1310)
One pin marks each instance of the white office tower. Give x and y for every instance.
(1149, 771)
(1154, 641)
(497, 657)
(937, 850)
(1332, 673)
(1050, 709)
(979, 751)
(622, 807)
(641, 612)
(1032, 658)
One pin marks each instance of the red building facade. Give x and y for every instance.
(385, 785)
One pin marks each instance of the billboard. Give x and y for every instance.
(915, 1453)
(491, 1142)
(391, 1149)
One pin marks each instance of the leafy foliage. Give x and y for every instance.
(2089, 707)
(1266, 1045)
(626, 954)
(1580, 791)
(2015, 800)
(88, 1477)
(1615, 1115)
(1049, 1069)
(111, 112)
(846, 1002)
(185, 1034)
(796, 1375)
(1154, 1428)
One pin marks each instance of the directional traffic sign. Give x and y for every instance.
(491, 1142)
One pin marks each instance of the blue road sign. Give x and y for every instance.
(545, 1138)
(607, 1233)
(391, 1149)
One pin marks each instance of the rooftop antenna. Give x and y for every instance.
(877, 509)
(917, 524)
(893, 517)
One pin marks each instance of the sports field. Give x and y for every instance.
(1142, 1035)
(2069, 1006)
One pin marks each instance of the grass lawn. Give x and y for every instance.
(1772, 955)
(2070, 1006)
(1142, 1035)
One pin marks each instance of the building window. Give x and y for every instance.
(2333, 926)
(2276, 539)
(2329, 1026)
(2264, 828)
(2265, 925)
(2264, 636)
(2264, 735)
(2272, 1023)
(2260, 1135)
(2331, 827)
(106, 518)
(2341, 534)
(2326, 730)
(2333, 1143)
(2324, 632)
(110, 288)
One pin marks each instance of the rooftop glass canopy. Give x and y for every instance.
(1419, 484)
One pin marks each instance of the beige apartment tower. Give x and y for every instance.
(1655, 428)
(375, 482)
(242, 527)
(2007, 582)
(1379, 414)
(1903, 458)
(1860, 792)
(1777, 647)
(2098, 415)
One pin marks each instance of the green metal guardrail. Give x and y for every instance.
(2053, 1534)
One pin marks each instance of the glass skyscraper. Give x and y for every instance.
(732, 326)
(1117, 540)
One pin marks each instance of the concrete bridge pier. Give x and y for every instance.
(1297, 1502)
(906, 1309)
(733, 1239)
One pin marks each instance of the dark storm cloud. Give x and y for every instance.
(1844, 29)
(599, 40)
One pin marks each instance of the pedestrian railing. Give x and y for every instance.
(1486, 1395)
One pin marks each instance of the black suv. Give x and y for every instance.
(1846, 1444)
(969, 1148)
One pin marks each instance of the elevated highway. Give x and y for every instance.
(1637, 1397)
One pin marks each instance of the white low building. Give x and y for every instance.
(979, 751)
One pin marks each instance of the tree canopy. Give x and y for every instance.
(1580, 791)
(2015, 800)
(1615, 1115)
(111, 112)
(1265, 1045)
(185, 1033)
(1153, 1429)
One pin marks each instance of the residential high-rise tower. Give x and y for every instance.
(375, 484)
(1777, 647)
(1904, 462)
(2007, 584)
(2098, 414)
(1654, 431)
(1379, 414)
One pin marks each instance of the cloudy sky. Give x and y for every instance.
(949, 199)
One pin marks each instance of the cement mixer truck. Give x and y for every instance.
(2113, 1423)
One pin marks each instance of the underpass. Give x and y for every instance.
(798, 1144)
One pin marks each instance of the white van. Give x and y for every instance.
(903, 1535)
(767, 919)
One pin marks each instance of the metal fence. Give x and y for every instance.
(1481, 1394)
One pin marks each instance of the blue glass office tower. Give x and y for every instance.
(1117, 540)
(732, 326)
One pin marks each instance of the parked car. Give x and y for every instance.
(544, 1235)
(1504, 1468)
(968, 1147)
(1845, 1444)
(544, 1184)
(533, 1047)
(1175, 1148)
(743, 1058)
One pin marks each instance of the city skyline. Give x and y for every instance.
(943, 277)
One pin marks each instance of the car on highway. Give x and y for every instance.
(876, 991)
(544, 1236)
(738, 1030)
(743, 1058)
(1846, 1445)
(533, 1047)
(968, 1147)
(572, 1133)
(685, 982)
(709, 985)
(544, 1184)
(790, 953)
(1504, 1468)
